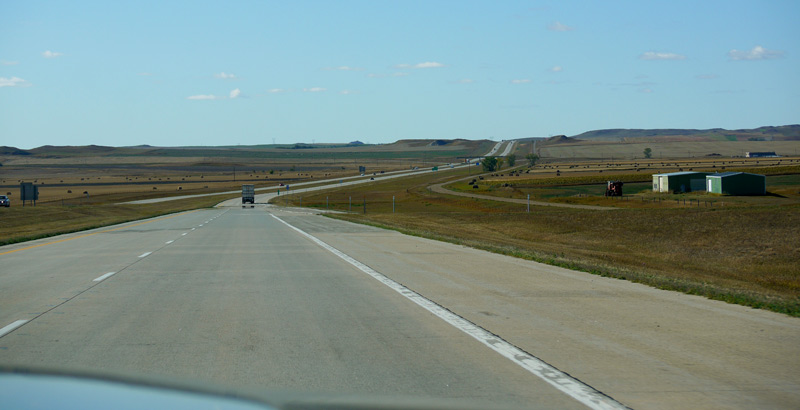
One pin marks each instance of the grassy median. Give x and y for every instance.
(19, 224)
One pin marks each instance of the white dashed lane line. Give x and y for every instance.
(10, 328)
(106, 276)
(145, 254)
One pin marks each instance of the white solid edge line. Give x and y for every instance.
(567, 384)
(183, 234)
(106, 276)
(10, 328)
(145, 254)
(168, 242)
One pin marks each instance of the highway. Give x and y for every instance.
(288, 300)
(351, 180)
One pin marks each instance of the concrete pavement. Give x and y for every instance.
(234, 296)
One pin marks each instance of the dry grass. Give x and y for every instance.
(748, 254)
(18, 224)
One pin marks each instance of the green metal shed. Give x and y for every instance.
(686, 181)
(736, 183)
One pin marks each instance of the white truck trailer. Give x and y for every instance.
(248, 195)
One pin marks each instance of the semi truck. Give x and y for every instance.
(248, 195)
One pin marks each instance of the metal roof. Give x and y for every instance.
(680, 173)
(727, 174)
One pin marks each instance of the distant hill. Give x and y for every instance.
(69, 150)
(781, 133)
(13, 151)
(560, 139)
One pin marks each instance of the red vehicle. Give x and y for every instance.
(614, 188)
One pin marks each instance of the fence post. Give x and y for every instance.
(350, 205)
(326, 202)
(365, 204)
(392, 203)
(529, 203)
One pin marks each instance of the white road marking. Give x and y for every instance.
(183, 234)
(200, 225)
(194, 228)
(565, 383)
(168, 242)
(10, 328)
(145, 254)
(107, 275)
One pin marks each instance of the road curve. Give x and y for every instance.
(439, 188)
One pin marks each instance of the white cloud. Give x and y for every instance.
(235, 93)
(652, 55)
(348, 92)
(557, 69)
(427, 64)
(276, 90)
(557, 26)
(521, 81)
(51, 54)
(314, 89)
(4, 62)
(756, 53)
(204, 97)
(225, 76)
(13, 82)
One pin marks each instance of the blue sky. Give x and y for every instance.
(173, 73)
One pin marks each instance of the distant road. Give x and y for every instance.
(330, 182)
(322, 184)
(442, 190)
(509, 148)
(494, 149)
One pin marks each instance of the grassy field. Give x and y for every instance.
(747, 254)
(664, 150)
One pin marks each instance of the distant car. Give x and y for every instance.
(4, 201)
(372, 179)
